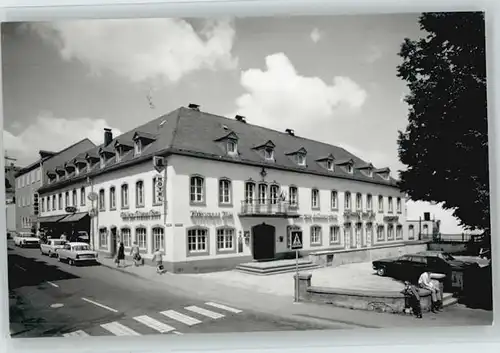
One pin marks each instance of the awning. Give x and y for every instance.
(50, 219)
(74, 217)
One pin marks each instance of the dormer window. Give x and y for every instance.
(384, 173)
(268, 153)
(117, 155)
(329, 165)
(266, 150)
(366, 169)
(231, 146)
(301, 159)
(102, 161)
(141, 140)
(349, 168)
(299, 156)
(137, 147)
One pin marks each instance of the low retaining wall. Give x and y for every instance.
(381, 301)
(339, 257)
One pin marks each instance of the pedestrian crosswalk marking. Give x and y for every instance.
(224, 307)
(154, 324)
(78, 333)
(118, 329)
(205, 312)
(188, 320)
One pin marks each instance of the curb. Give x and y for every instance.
(124, 271)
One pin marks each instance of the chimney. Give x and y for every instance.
(194, 106)
(241, 118)
(108, 136)
(290, 132)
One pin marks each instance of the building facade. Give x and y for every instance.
(212, 192)
(10, 196)
(29, 179)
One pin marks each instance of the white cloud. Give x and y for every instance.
(280, 92)
(52, 134)
(143, 49)
(316, 35)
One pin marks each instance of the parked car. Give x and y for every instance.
(51, 246)
(409, 267)
(26, 239)
(75, 253)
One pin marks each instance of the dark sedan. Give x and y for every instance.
(409, 267)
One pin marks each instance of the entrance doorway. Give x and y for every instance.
(113, 241)
(263, 242)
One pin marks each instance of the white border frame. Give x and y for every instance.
(455, 339)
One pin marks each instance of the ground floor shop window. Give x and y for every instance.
(197, 240)
(225, 239)
(126, 237)
(380, 233)
(103, 238)
(334, 235)
(140, 237)
(158, 238)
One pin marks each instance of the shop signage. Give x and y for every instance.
(359, 214)
(140, 215)
(198, 214)
(70, 209)
(391, 218)
(318, 217)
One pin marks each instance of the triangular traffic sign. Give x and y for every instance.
(296, 241)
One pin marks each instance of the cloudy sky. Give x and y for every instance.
(332, 79)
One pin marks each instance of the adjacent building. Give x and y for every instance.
(10, 196)
(213, 192)
(29, 179)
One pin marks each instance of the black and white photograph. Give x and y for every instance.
(180, 176)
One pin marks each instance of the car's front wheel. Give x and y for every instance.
(71, 262)
(381, 271)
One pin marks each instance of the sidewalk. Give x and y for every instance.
(281, 305)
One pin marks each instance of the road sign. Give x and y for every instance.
(296, 240)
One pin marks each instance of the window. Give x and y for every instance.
(60, 201)
(249, 192)
(315, 198)
(426, 229)
(224, 192)
(411, 232)
(102, 201)
(329, 165)
(126, 237)
(334, 235)
(101, 161)
(112, 198)
(293, 195)
(348, 233)
(124, 197)
(269, 153)
(347, 201)
(66, 199)
(349, 168)
(77, 169)
(369, 231)
(139, 193)
(140, 237)
(231, 146)
(225, 239)
(158, 189)
(159, 238)
(43, 203)
(301, 159)
(359, 234)
(370, 173)
(274, 193)
(369, 202)
(197, 240)
(359, 202)
(262, 194)
(117, 155)
(389, 200)
(315, 235)
(380, 233)
(75, 198)
(137, 147)
(334, 200)
(398, 205)
(399, 231)
(390, 232)
(48, 203)
(82, 196)
(54, 200)
(103, 238)
(197, 189)
(381, 203)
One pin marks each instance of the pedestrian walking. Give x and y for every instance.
(425, 281)
(136, 256)
(158, 258)
(412, 295)
(120, 257)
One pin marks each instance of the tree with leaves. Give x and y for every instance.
(445, 145)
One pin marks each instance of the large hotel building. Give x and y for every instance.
(214, 192)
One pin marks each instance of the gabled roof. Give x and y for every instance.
(382, 170)
(230, 135)
(268, 143)
(365, 166)
(326, 158)
(193, 133)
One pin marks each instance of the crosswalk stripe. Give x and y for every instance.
(224, 307)
(118, 329)
(205, 312)
(154, 324)
(188, 320)
(78, 333)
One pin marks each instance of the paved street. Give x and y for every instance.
(55, 299)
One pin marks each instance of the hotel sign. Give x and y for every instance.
(198, 214)
(318, 217)
(359, 215)
(138, 215)
(391, 218)
(159, 188)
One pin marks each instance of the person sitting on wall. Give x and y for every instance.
(411, 292)
(425, 281)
